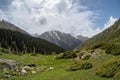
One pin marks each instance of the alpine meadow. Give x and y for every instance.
(59, 40)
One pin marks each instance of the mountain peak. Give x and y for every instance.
(64, 40)
(7, 25)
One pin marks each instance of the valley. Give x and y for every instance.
(59, 40)
(24, 57)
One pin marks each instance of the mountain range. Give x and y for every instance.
(19, 41)
(64, 40)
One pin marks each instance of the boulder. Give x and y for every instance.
(10, 64)
(51, 68)
(33, 72)
(23, 72)
(26, 67)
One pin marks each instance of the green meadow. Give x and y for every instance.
(59, 72)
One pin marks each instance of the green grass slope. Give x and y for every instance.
(59, 72)
(103, 39)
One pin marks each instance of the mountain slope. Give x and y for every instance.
(6, 25)
(18, 41)
(64, 40)
(109, 36)
(82, 38)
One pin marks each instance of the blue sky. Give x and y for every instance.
(109, 8)
(81, 17)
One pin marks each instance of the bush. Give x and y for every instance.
(1, 74)
(86, 65)
(113, 49)
(4, 51)
(97, 46)
(116, 76)
(80, 55)
(79, 66)
(108, 69)
(67, 55)
(87, 57)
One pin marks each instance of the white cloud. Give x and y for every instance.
(38, 16)
(17, 3)
(110, 22)
(2, 15)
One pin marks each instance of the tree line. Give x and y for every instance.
(23, 43)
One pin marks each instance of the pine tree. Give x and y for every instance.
(5, 44)
(24, 49)
(14, 47)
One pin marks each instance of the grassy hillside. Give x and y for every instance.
(59, 72)
(109, 36)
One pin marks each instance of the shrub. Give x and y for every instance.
(87, 57)
(80, 55)
(1, 74)
(79, 66)
(86, 65)
(108, 69)
(67, 55)
(4, 51)
(116, 76)
(97, 46)
(113, 49)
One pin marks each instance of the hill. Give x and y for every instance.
(105, 38)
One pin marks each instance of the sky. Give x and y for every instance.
(79, 17)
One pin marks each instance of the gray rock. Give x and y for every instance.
(10, 64)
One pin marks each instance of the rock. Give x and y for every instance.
(33, 72)
(5, 71)
(17, 70)
(23, 72)
(26, 67)
(10, 64)
(51, 68)
(7, 76)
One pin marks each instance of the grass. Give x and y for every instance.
(59, 72)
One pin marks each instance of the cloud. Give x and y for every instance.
(38, 16)
(43, 21)
(110, 22)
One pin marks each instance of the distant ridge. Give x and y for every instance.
(108, 36)
(6, 25)
(64, 40)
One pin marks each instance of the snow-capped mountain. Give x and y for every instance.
(64, 40)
